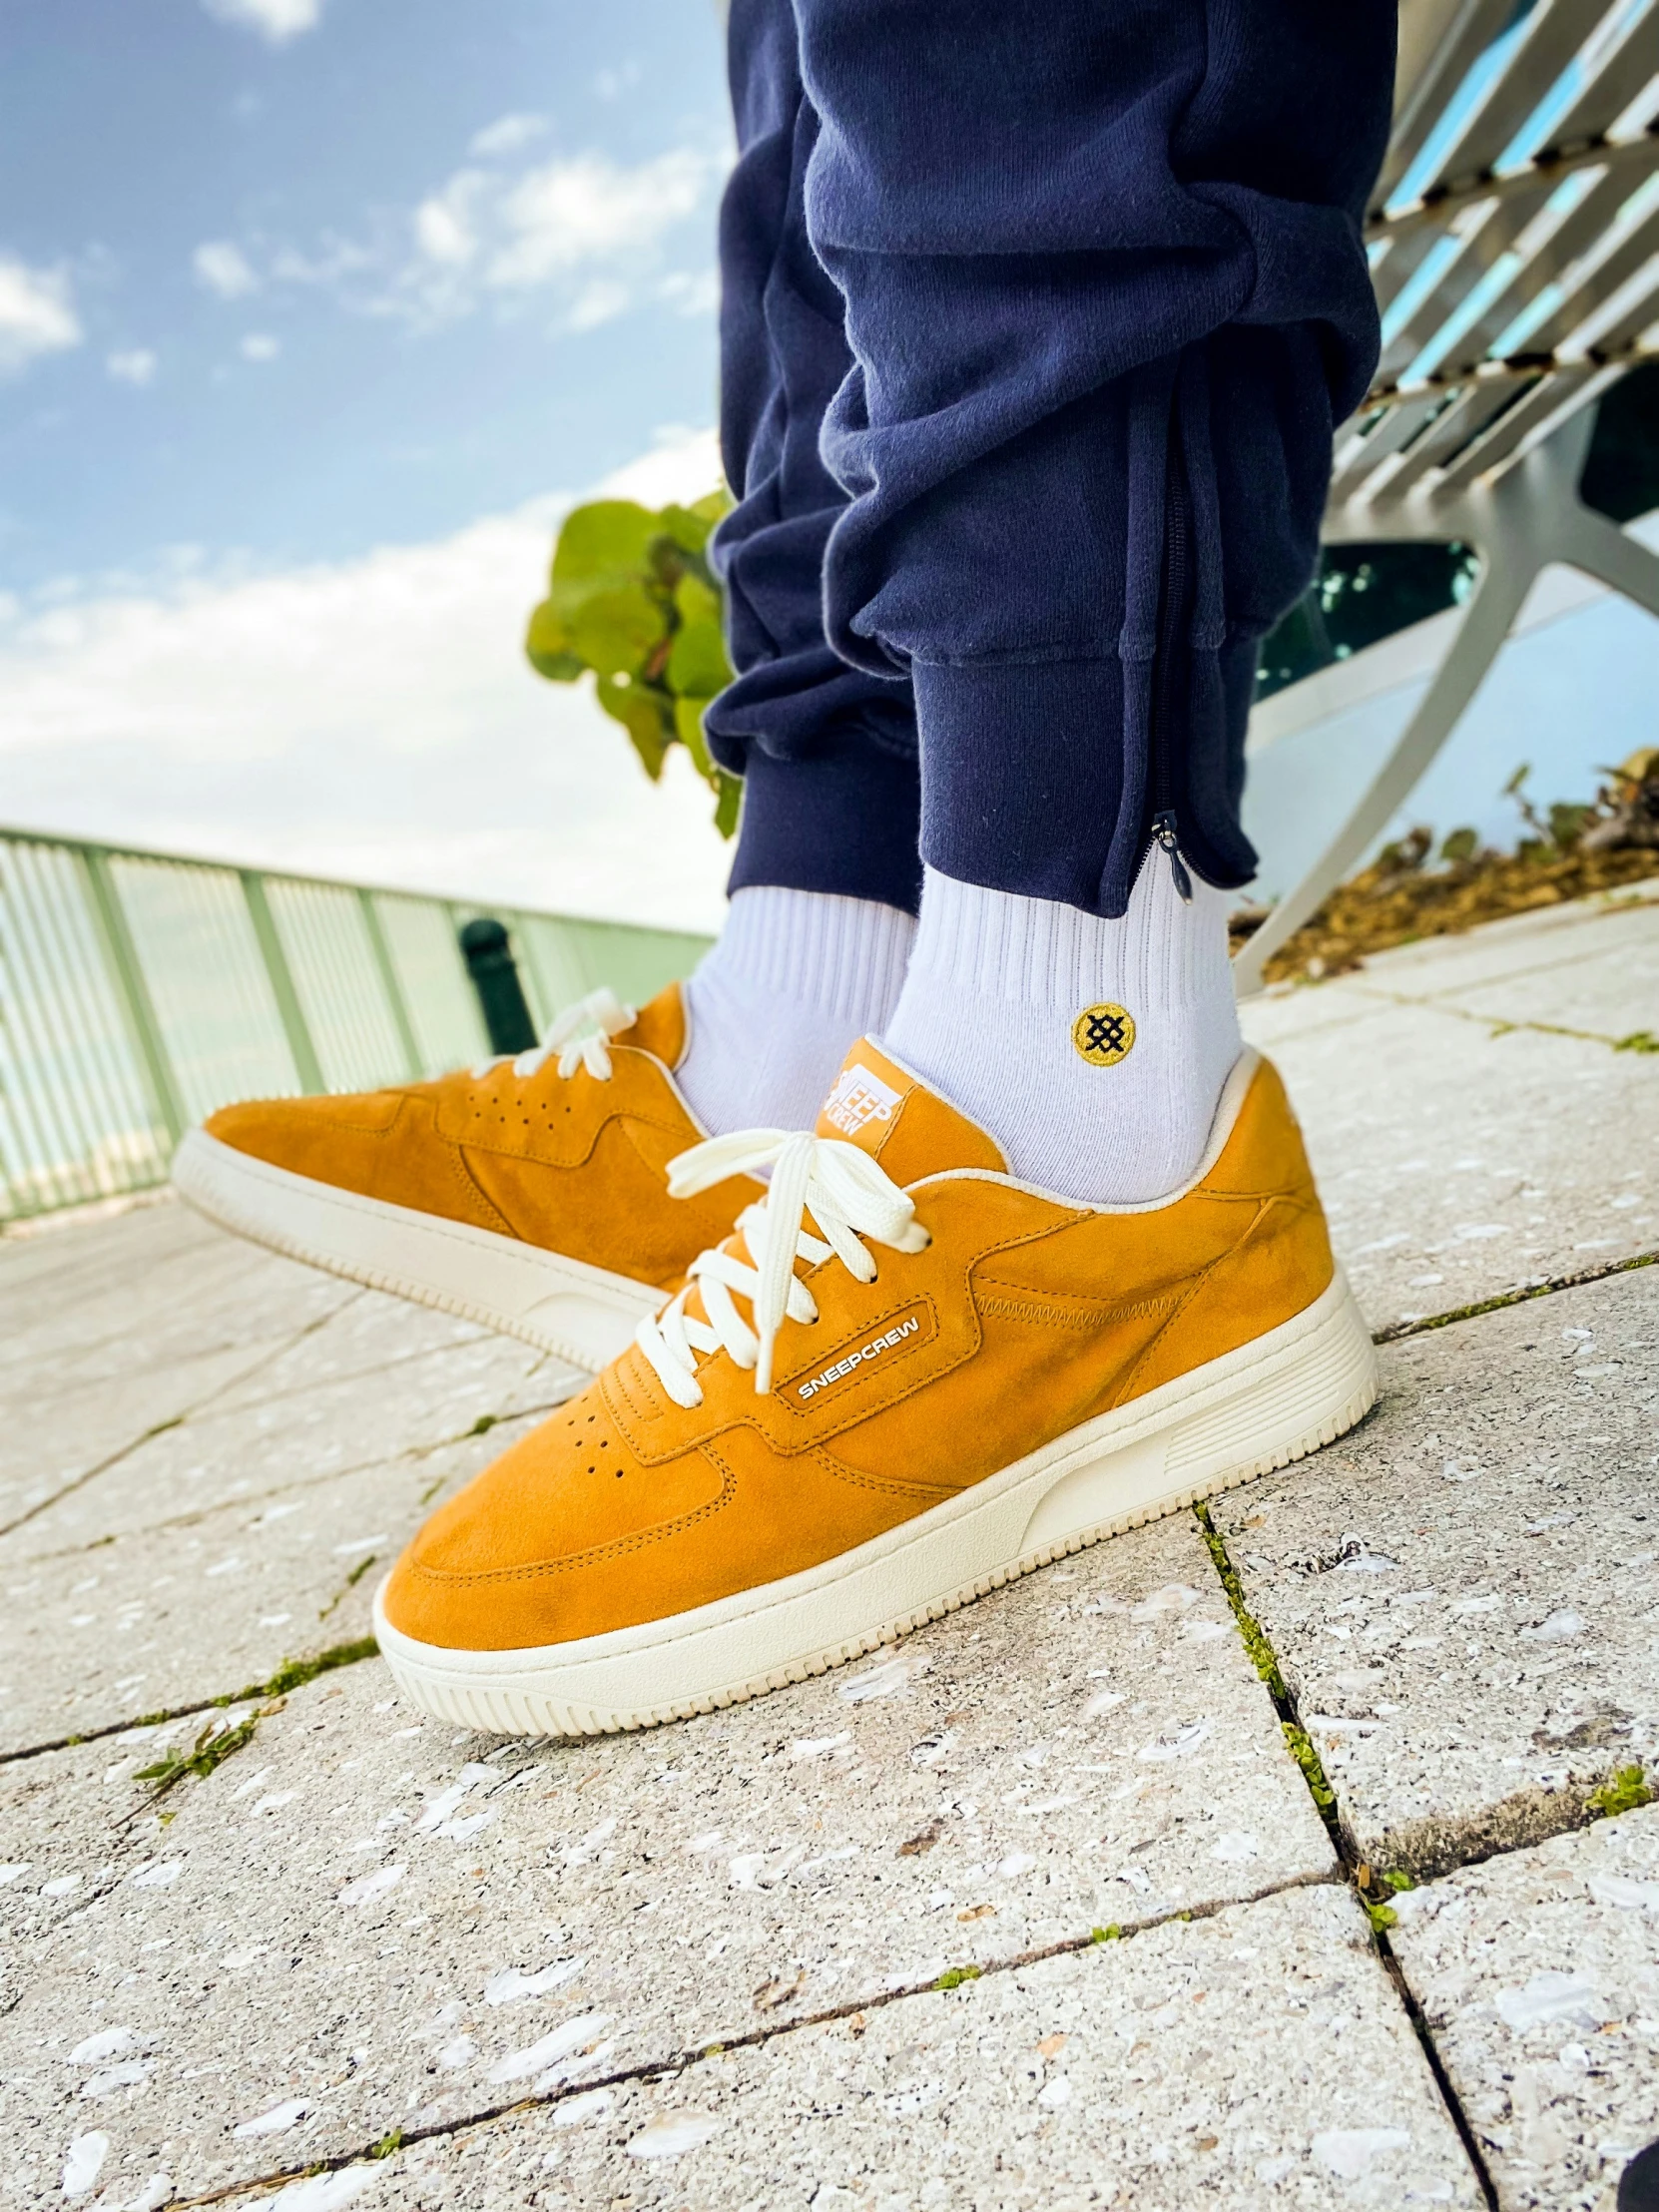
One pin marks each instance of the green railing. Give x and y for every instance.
(140, 990)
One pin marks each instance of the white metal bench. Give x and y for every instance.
(1518, 280)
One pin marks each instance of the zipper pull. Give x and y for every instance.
(1163, 832)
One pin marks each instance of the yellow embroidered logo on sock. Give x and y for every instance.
(1104, 1036)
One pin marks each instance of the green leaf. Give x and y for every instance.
(729, 803)
(697, 662)
(614, 631)
(547, 646)
(644, 715)
(1459, 844)
(687, 728)
(602, 545)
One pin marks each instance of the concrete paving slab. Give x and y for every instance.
(52, 1441)
(44, 1257)
(1615, 1000)
(371, 1333)
(1463, 1593)
(139, 1308)
(377, 1916)
(161, 1619)
(273, 1445)
(1455, 1165)
(1600, 929)
(1539, 1974)
(1256, 2060)
(1605, 930)
(81, 1384)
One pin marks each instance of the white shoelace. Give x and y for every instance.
(845, 1192)
(580, 1036)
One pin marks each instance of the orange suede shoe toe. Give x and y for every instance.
(530, 1194)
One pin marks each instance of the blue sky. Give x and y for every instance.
(313, 317)
(317, 275)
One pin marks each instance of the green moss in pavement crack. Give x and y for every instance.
(1313, 1769)
(1398, 1330)
(483, 1424)
(1623, 1790)
(1639, 1040)
(350, 1583)
(1111, 1934)
(954, 1976)
(211, 1748)
(1262, 1655)
(1266, 1662)
(387, 2144)
(293, 1674)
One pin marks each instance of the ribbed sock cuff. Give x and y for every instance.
(843, 819)
(1042, 954)
(844, 958)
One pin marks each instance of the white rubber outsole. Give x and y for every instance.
(583, 1314)
(1238, 1417)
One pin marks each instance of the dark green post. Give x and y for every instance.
(489, 962)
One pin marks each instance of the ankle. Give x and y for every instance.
(995, 985)
(794, 978)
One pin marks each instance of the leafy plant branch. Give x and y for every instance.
(632, 600)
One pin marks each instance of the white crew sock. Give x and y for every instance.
(994, 986)
(794, 980)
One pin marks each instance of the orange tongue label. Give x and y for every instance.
(859, 1098)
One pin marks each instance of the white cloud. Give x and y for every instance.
(260, 345)
(370, 719)
(224, 269)
(586, 225)
(275, 20)
(37, 313)
(601, 301)
(445, 223)
(589, 209)
(507, 136)
(137, 366)
(692, 292)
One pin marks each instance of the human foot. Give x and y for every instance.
(529, 1194)
(828, 1439)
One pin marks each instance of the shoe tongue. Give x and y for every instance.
(893, 1116)
(659, 1026)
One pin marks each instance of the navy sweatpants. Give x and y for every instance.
(1036, 322)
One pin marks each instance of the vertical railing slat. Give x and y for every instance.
(392, 987)
(305, 1062)
(132, 991)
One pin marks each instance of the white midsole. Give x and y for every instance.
(583, 1314)
(1240, 1415)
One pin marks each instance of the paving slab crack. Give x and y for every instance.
(665, 2068)
(292, 1674)
(481, 1427)
(160, 1428)
(1370, 1890)
(1499, 1025)
(1545, 1287)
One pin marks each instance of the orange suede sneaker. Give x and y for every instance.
(828, 1439)
(530, 1194)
